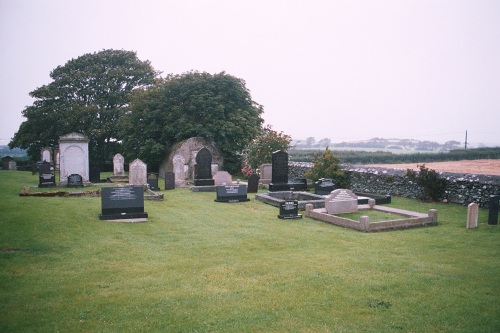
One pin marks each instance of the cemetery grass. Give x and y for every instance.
(202, 266)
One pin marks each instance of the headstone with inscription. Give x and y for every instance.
(266, 173)
(125, 203)
(169, 180)
(472, 215)
(324, 186)
(137, 173)
(298, 184)
(46, 176)
(118, 168)
(289, 209)
(279, 181)
(253, 183)
(341, 201)
(75, 180)
(153, 181)
(203, 168)
(232, 193)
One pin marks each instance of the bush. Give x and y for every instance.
(433, 186)
(328, 166)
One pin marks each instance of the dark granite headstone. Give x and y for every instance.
(324, 186)
(493, 209)
(279, 173)
(298, 184)
(75, 180)
(289, 209)
(94, 175)
(153, 182)
(46, 178)
(232, 193)
(253, 183)
(203, 169)
(122, 203)
(169, 181)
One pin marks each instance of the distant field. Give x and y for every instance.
(485, 167)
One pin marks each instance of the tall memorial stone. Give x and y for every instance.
(46, 176)
(253, 183)
(74, 157)
(279, 180)
(493, 209)
(266, 173)
(203, 168)
(118, 168)
(137, 173)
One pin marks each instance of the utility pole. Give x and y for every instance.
(465, 139)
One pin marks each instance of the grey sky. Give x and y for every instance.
(344, 70)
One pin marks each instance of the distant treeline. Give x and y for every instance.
(382, 157)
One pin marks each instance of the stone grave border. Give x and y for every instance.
(409, 219)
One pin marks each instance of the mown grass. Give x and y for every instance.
(203, 266)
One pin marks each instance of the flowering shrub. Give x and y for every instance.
(246, 171)
(262, 147)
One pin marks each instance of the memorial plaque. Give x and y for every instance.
(122, 203)
(47, 177)
(169, 181)
(203, 169)
(153, 182)
(232, 193)
(289, 209)
(253, 183)
(75, 180)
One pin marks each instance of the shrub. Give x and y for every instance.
(328, 166)
(433, 186)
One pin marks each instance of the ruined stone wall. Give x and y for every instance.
(462, 189)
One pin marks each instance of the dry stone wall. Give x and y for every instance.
(462, 189)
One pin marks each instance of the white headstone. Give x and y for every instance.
(118, 162)
(180, 169)
(137, 173)
(472, 215)
(73, 157)
(341, 201)
(222, 178)
(46, 155)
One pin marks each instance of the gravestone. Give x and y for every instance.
(124, 203)
(8, 163)
(169, 181)
(232, 193)
(46, 176)
(74, 157)
(75, 180)
(341, 201)
(472, 215)
(324, 186)
(298, 184)
(95, 175)
(118, 162)
(253, 183)
(137, 173)
(493, 209)
(153, 181)
(46, 155)
(203, 168)
(222, 178)
(289, 209)
(180, 168)
(279, 179)
(266, 173)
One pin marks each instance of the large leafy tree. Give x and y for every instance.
(218, 107)
(89, 95)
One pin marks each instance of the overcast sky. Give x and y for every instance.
(344, 70)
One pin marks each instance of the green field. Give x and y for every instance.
(203, 266)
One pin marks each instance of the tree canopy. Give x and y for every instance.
(89, 95)
(260, 149)
(214, 106)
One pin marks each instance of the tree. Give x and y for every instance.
(328, 166)
(432, 185)
(89, 95)
(261, 148)
(218, 107)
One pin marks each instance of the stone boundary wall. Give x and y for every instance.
(462, 188)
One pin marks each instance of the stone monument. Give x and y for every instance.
(118, 162)
(203, 168)
(279, 179)
(137, 173)
(74, 157)
(341, 201)
(472, 215)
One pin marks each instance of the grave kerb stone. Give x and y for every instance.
(341, 201)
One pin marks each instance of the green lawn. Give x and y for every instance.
(203, 266)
